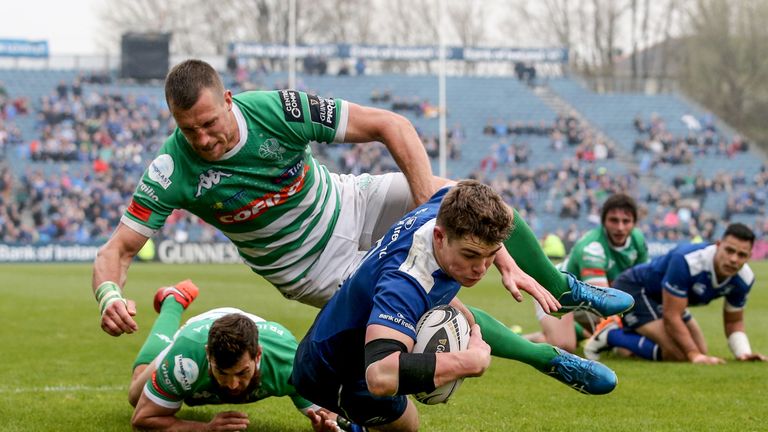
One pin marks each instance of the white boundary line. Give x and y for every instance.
(63, 389)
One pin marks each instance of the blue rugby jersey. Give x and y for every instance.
(395, 284)
(688, 271)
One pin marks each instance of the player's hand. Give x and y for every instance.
(478, 351)
(229, 421)
(705, 359)
(515, 279)
(752, 357)
(323, 421)
(118, 318)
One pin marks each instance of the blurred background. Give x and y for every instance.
(555, 103)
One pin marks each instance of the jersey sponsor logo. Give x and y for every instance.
(209, 179)
(322, 111)
(399, 320)
(148, 190)
(227, 202)
(166, 379)
(139, 211)
(290, 172)
(185, 371)
(271, 149)
(160, 170)
(292, 106)
(159, 389)
(262, 204)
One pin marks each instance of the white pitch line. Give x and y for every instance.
(63, 389)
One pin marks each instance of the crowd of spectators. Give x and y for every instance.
(657, 145)
(114, 133)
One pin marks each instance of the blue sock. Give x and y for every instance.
(641, 346)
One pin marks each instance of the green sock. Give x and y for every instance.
(161, 334)
(579, 331)
(525, 249)
(505, 343)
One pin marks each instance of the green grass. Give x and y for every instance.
(59, 371)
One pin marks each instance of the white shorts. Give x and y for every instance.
(370, 205)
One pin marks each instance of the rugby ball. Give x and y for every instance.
(441, 329)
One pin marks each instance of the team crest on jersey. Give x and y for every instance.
(160, 170)
(699, 288)
(271, 149)
(185, 371)
(209, 179)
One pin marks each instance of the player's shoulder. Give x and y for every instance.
(274, 330)
(698, 256)
(592, 243)
(637, 236)
(747, 275)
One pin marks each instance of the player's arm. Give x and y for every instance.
(392, 369)
(367, 124)
(733, 321)
(674, 307)
(110, 270)
(151, 416)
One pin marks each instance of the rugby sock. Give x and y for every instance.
(640, 345)
(507, 344)
(524, 247)
(579, 331)
(161, 334)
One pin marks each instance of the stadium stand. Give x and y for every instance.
(73, 143)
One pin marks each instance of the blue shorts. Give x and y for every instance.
(646, 308)
(317, 382)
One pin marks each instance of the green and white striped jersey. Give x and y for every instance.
(183, 374)
(269, 195)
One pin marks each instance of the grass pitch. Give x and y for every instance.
(60, 372)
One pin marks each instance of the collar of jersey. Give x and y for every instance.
(243, 133)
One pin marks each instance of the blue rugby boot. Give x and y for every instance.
(598, 300)
(586, 376)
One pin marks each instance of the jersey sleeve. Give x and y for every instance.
(737, 299)
(156, 194)
(298, 118)
(677, 278)
(399, 302)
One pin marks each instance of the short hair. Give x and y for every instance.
(187, 79)
(619, 201)
(741, 232)
(471, 208)
(230, 337)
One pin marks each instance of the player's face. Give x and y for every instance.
(209, 125)
(464, 259)
(732, 253)
(235, 381)
(618, 225)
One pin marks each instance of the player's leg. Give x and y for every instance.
(656, 332)
(170, 303)
(523, 245)
(409, 421)
(610, 334)
(583, 375)
(558, 332)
